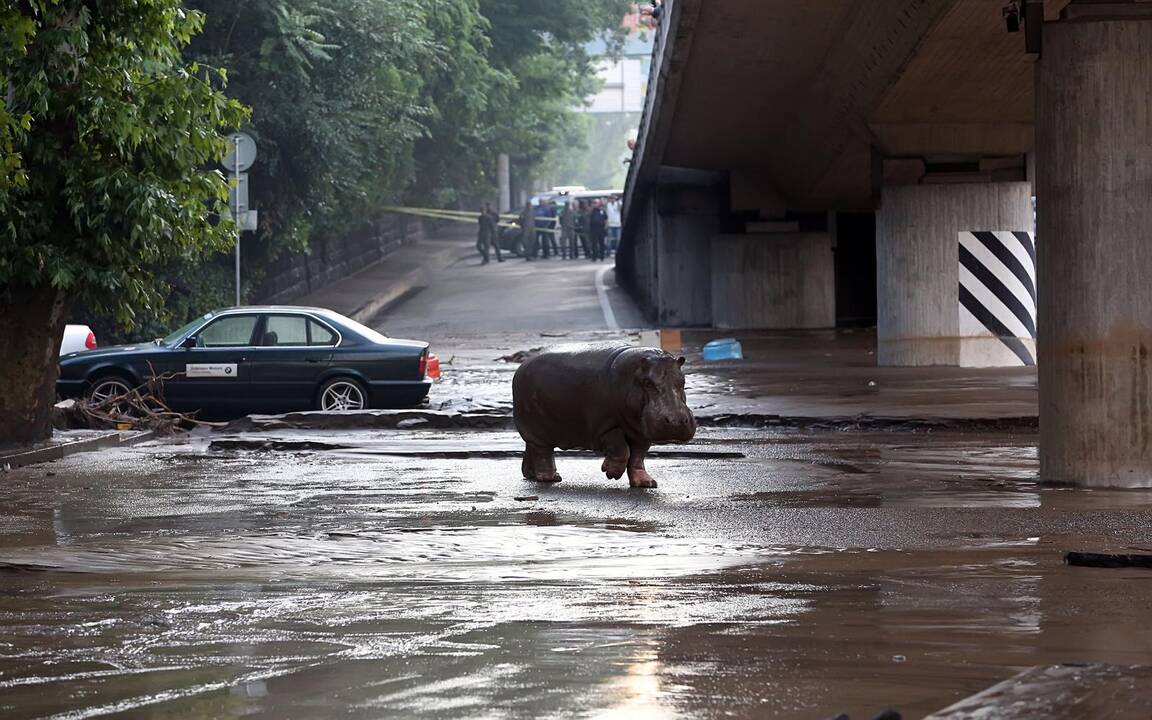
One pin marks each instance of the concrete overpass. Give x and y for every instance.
(807, 164)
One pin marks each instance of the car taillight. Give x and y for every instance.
(423, 368)
(90, 341)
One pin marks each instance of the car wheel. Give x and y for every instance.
(106, 388)
(340, 394)
(110, 386)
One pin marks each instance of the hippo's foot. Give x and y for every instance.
(614, 468)
(546, 477)
(639, 478)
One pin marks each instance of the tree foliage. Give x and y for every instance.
(107, 134)
(107, 139)
(362, 103)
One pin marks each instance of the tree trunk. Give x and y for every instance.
(32, 323)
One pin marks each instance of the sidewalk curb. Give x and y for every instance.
(415, 279)
(112, 438)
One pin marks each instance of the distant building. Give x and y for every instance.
(625, 80)
(613, 115)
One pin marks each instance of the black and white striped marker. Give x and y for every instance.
(998, 290)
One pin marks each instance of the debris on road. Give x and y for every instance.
(526, 498)
(1108, 560)
(723, 349)
(141, 408)
(520, 355)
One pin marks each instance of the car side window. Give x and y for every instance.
(231, 331)
(285, 330)
(321, 335)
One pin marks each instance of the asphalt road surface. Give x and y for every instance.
(516, 296)
(272, 573)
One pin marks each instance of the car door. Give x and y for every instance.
(212, 372)
(293, 352)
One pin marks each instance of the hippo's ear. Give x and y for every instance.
(680, 361)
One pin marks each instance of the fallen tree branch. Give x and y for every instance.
(140, 408)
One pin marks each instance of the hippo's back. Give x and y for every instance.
(565, 395)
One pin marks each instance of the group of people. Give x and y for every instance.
(561, 229)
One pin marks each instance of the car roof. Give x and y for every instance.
(272, 308)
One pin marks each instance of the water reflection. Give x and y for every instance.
(639, 688)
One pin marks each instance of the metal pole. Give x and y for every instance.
(504, 180)
(236, 217)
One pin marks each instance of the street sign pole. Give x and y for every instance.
(240, 159)
(236, 215)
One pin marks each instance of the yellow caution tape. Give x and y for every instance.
(466, 216)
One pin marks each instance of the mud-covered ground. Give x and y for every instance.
(771, 574)
(838, 538)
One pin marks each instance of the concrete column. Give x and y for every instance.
(504, 179)
(1094, 179)
(778, 281)
(686, 220)
(918, 276)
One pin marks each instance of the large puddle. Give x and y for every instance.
(787, 576)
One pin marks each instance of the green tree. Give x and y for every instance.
(335, 89)
(542, 44)
(105, 137)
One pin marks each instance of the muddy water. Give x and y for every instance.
(819, 574)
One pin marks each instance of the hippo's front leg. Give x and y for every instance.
(615, 447)
(540, 464)
(638, 477)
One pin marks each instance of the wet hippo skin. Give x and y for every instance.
(612, 399)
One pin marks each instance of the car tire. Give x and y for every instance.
(342, 394)
(107, 386)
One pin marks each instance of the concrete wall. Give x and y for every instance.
(684, 274)
(293, 275)
(779, 281)
(636, 260)
(917, 274)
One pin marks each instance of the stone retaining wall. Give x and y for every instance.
(295, 275)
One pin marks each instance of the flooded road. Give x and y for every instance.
(773, 575)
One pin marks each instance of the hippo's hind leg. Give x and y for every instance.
(638, 477)
(615, 447)
(540, 464)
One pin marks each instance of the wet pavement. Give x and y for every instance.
(817, 574)
(272, 572)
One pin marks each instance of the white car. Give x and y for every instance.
(77, 338)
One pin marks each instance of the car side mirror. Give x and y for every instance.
(189, 342)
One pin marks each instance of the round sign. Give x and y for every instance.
(240, 146)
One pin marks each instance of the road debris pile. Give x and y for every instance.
(520, 355)
(140, 408)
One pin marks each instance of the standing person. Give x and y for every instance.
(494, 218)
(597, 230)
(544, 229)
(485, 233)
(613, 224)
(568, 230)
(582, 228)
(528, 231)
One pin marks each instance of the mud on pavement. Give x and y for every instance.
(378, 573)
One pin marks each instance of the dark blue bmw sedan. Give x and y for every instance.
(260, 359)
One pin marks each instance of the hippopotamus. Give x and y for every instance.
(617, 400)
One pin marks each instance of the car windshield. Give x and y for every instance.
(168, 341)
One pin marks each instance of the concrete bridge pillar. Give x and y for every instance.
(955, 275)
(687, 218)
(1094, 183)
